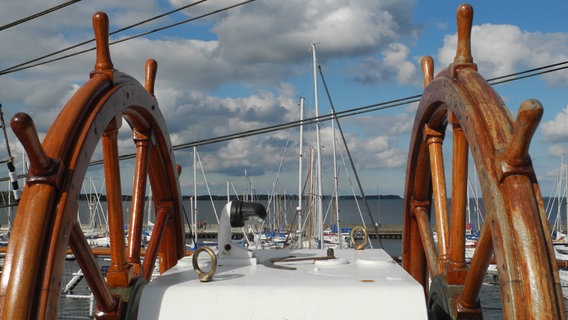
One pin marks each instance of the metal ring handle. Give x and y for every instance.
(363, 243)
(205, 276)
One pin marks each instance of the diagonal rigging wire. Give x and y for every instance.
(37, 15)
(31, 64)
(341, 114)
(28, 64)
(296, 123)
(375, 225)
(529, 73)
(286, 125)
(346, 113)
(18, 67)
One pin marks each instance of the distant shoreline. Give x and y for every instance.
(293, 196)
(102, 197)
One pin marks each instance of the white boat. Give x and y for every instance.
(240, 283)
(195, 223)
(559, 238)
(270, 239)
(99, 241)
(563, 273)
(559, 197)
(335, 239)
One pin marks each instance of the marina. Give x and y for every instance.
(444, 250)
(390, 231)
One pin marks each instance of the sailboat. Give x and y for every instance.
(195, 223)
(339, 238)
(16, 192)
(96, 230)
(559, 237)
(559, 230)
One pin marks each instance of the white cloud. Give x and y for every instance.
(392, 66)
(251, 45)
(376, 152)
(556, 130)
(254, 33)
(388, 125)
(234, 76)
(503, 49)
(557, 150)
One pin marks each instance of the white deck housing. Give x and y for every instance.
(357, 284)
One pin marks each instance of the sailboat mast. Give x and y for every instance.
(311, 199)
(228, 192)
(319, 206)
(564, 168)
(300, 156)
(376, 225)
(194, 202)
(335, 181)
(10, 161)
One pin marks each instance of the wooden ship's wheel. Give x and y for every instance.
(515, 233)
(46, 224)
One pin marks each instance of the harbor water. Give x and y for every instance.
(77, 302)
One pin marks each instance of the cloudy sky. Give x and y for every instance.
(247, 67)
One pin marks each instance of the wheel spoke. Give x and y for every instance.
(427, 240)
(26, 258)
(118, 273)
(138, 199)
(157, 233)
(477, 268)
(434, 139)
(88, 264)
(459, 195)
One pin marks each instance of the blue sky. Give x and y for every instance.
(247, 67)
